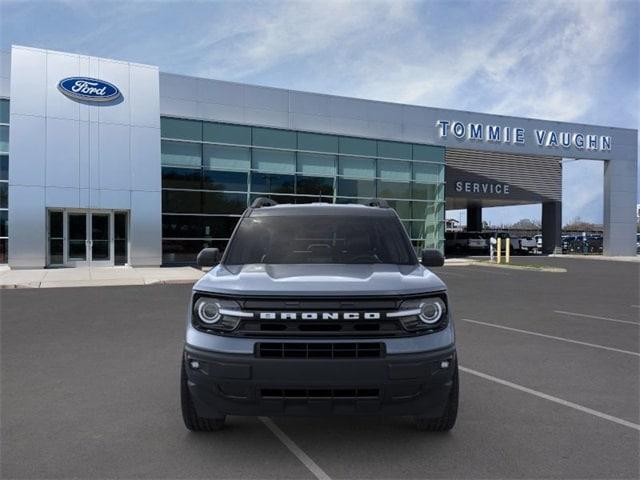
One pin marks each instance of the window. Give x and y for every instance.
(192, 226)
(4, 167)
(317, 143)
(394, 150)
(190, 178)
(271, 137)
(317, 164)
(211, 171)
(216, 202)
(217, 180)
(428, 153)
(4, 139)
(226, 158)
(403, 209)
(4, 111)
(357, 167)
(180, 153)
(428, 173)
(274, 161)
(224, 133)
(393, 189)
(263, 182)
(317, 186)
(358, 146)
(4, 195)
(182, 129)
(326, 239)
(394, 171)
(4, 220)
(176, 201)
(356, 188)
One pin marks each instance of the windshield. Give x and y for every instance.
(343, 239)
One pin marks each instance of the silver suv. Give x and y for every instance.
(319, 309)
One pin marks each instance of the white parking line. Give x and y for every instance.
(562, 339)
(484, 270)
(609, 319)
(551, 398)
(295, 449)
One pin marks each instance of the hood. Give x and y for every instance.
(320, 280)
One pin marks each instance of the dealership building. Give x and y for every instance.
(107, 162)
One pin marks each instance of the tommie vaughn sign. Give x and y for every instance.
(478, 132)
(88, 89)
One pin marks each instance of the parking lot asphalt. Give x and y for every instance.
(549, 389)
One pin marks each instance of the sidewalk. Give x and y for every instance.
(96, 277)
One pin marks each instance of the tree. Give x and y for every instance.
(525, 224)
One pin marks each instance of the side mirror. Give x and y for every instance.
(432, 258)
(208, 257)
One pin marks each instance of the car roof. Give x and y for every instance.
(319, 208)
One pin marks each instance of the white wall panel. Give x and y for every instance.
(118, 74)
(223, 113)
(115, 156)
(27, 141)
(28, 81)
(59, 66)
(145, 155)
(63, 153)
(62, 197)
(265, 98)
(28, 228)
(271, 118)
(115, 199)
(214, 91)
(146, 228)
(144, 98)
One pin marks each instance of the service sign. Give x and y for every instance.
(88, 89)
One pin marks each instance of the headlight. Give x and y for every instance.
(431, 310)
(422, 313)
(208, 310)
(216, 314)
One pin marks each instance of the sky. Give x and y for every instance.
(558, 60)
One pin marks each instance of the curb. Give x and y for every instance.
(99, 283)
(521, 267)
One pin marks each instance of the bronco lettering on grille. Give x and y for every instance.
(320, 316)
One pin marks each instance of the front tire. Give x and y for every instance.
(191, 419)
(448, 419)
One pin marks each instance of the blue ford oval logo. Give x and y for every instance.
(89, 89)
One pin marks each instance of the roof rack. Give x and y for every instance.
(377, 202)
(263, 202)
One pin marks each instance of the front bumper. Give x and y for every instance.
(243, 384)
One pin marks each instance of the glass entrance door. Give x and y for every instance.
(87, 238)
(100, 243)
(77, 240)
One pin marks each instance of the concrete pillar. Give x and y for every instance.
(551, 226)
(620, 198)
(474, 218)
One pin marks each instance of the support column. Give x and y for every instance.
(474, 218)
(551, 226)
(620, 191)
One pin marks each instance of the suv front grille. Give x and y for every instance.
(319, 350)
(325, 393)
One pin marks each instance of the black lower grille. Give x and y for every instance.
(313, 393)
(320, 350)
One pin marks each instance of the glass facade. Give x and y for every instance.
(211, 172)
(4, 180)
